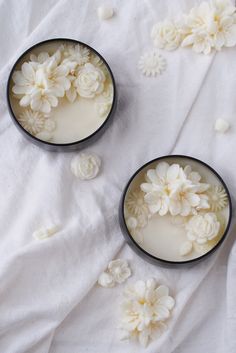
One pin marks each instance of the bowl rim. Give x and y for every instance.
(154, 258)
(8, 93)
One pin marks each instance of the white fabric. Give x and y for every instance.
(49, 300)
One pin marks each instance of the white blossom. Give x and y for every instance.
(145, 309)
(203, 227)
(90, 81)
(166, 35)
(85, 166)
(152, 63)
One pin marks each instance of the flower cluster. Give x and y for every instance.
(207, 26)
(145, 309)
(72, 71)
(173, 189)
(117, 272)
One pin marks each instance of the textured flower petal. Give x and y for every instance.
(173, 172)
(145, 187)
(152, 176)
(161, 169)
(162, 291)
(162, 312)
(167, 301)
(28, 71)
(25, 101)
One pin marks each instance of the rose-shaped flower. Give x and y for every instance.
(166, 35)
(202, 228)
(119, 270)
(145, 309)
(90, 81)
(106, 280)
(85, 166)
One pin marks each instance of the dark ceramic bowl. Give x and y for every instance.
(143, 253)
(58, 147)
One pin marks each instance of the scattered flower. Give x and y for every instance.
(45, 232)
(119, 269)
(106, 280)
(90, 81)
(152, 63)
(31, 121)
(105, 12)
(85, 166)
(209, 25)
(166, 35)
(221, 125)
(202, 227)
(168, 189)
(218, 198)
(117, 272)
(185, 248)
(145, 309)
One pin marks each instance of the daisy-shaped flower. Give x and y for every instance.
(145, 309)
(135, 203)
(76, 53)
(31, 121)
(218, 198)
(152, 63)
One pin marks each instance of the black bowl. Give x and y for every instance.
(151, 258)
(64, 147)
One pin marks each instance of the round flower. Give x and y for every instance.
(106, 280)
(218, 198)
(166, 35)
(202, 228)
(152, 63)
(90, 81)
(31, 121)
(119, 270)
(76, 53)
(85, 166)
(49, 124)
(135, 203)
(145, 308)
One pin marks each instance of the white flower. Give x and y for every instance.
(145, 308)
(211, 25)
(106, 280)
(152, 63)
(31, 121)
(202, 228)
(168, 188)
(34, 89)
(218, 198)
(135, 203)
(90, 81)
(166, 35)
(76, 53)
(45, 232)
(119, 270)
(85, 166)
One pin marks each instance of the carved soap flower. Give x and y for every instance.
(152, 63)
(33, 122)
(166, 35)
(117, 272)
(76, 53)
(136, 204)
(32, 88)
(203, 227)
(169, 189)
(218, 198)
(85, 166)
(144, 311)
(90, 81)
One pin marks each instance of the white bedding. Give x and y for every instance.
(49, 300)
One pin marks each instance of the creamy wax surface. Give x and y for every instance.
(61, 91)
(176, 209)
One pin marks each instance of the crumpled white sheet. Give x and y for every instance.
(49, 300)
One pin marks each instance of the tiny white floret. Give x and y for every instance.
(106, 280)
(45, 232)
